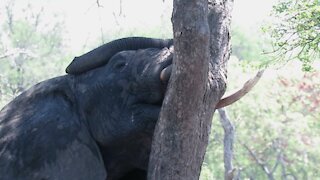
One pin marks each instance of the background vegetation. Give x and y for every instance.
(277, 124)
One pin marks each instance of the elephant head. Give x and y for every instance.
(122, 86)
(120, 96)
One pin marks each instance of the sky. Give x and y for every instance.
(248, 14)
(85, 21)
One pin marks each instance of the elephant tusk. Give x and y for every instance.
(226, 100)
(165, 74)
(232, 98)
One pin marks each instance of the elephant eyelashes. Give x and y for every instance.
(120, 65)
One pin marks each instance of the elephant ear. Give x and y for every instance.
(101, 55)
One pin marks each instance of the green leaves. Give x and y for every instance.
(29, 49)
(278, 121)
(296, 31)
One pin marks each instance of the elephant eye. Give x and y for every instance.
(120, 65)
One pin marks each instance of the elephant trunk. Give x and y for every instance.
(101, 55)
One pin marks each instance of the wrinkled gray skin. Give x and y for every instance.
(95, 125)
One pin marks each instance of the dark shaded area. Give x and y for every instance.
(91, 125)
(136, 174)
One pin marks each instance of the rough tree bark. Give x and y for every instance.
(198, 80)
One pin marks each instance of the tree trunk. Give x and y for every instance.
(198, 80)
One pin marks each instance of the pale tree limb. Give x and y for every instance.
(262, 164)
(231, 173)
(278, 161)
(5, 55)
(238, 94)
(16, 52)
(98, 3)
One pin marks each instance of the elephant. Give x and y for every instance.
(95, 122)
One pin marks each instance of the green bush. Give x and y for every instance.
(279, 118)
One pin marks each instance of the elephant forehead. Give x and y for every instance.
(124, 55)
(153, 53)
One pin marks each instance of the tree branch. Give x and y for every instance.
(5, 55)
(10, 16)
(263, 165)
(16, 52)
(278, 161)
(228, 141)
(98, 3)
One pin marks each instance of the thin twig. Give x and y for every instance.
(98, 3)
(228, 141)
(15, 52)
(262, 164)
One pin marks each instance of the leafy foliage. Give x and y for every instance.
(249, 46)
(276, 127)
(30, 49)
(296, 31)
